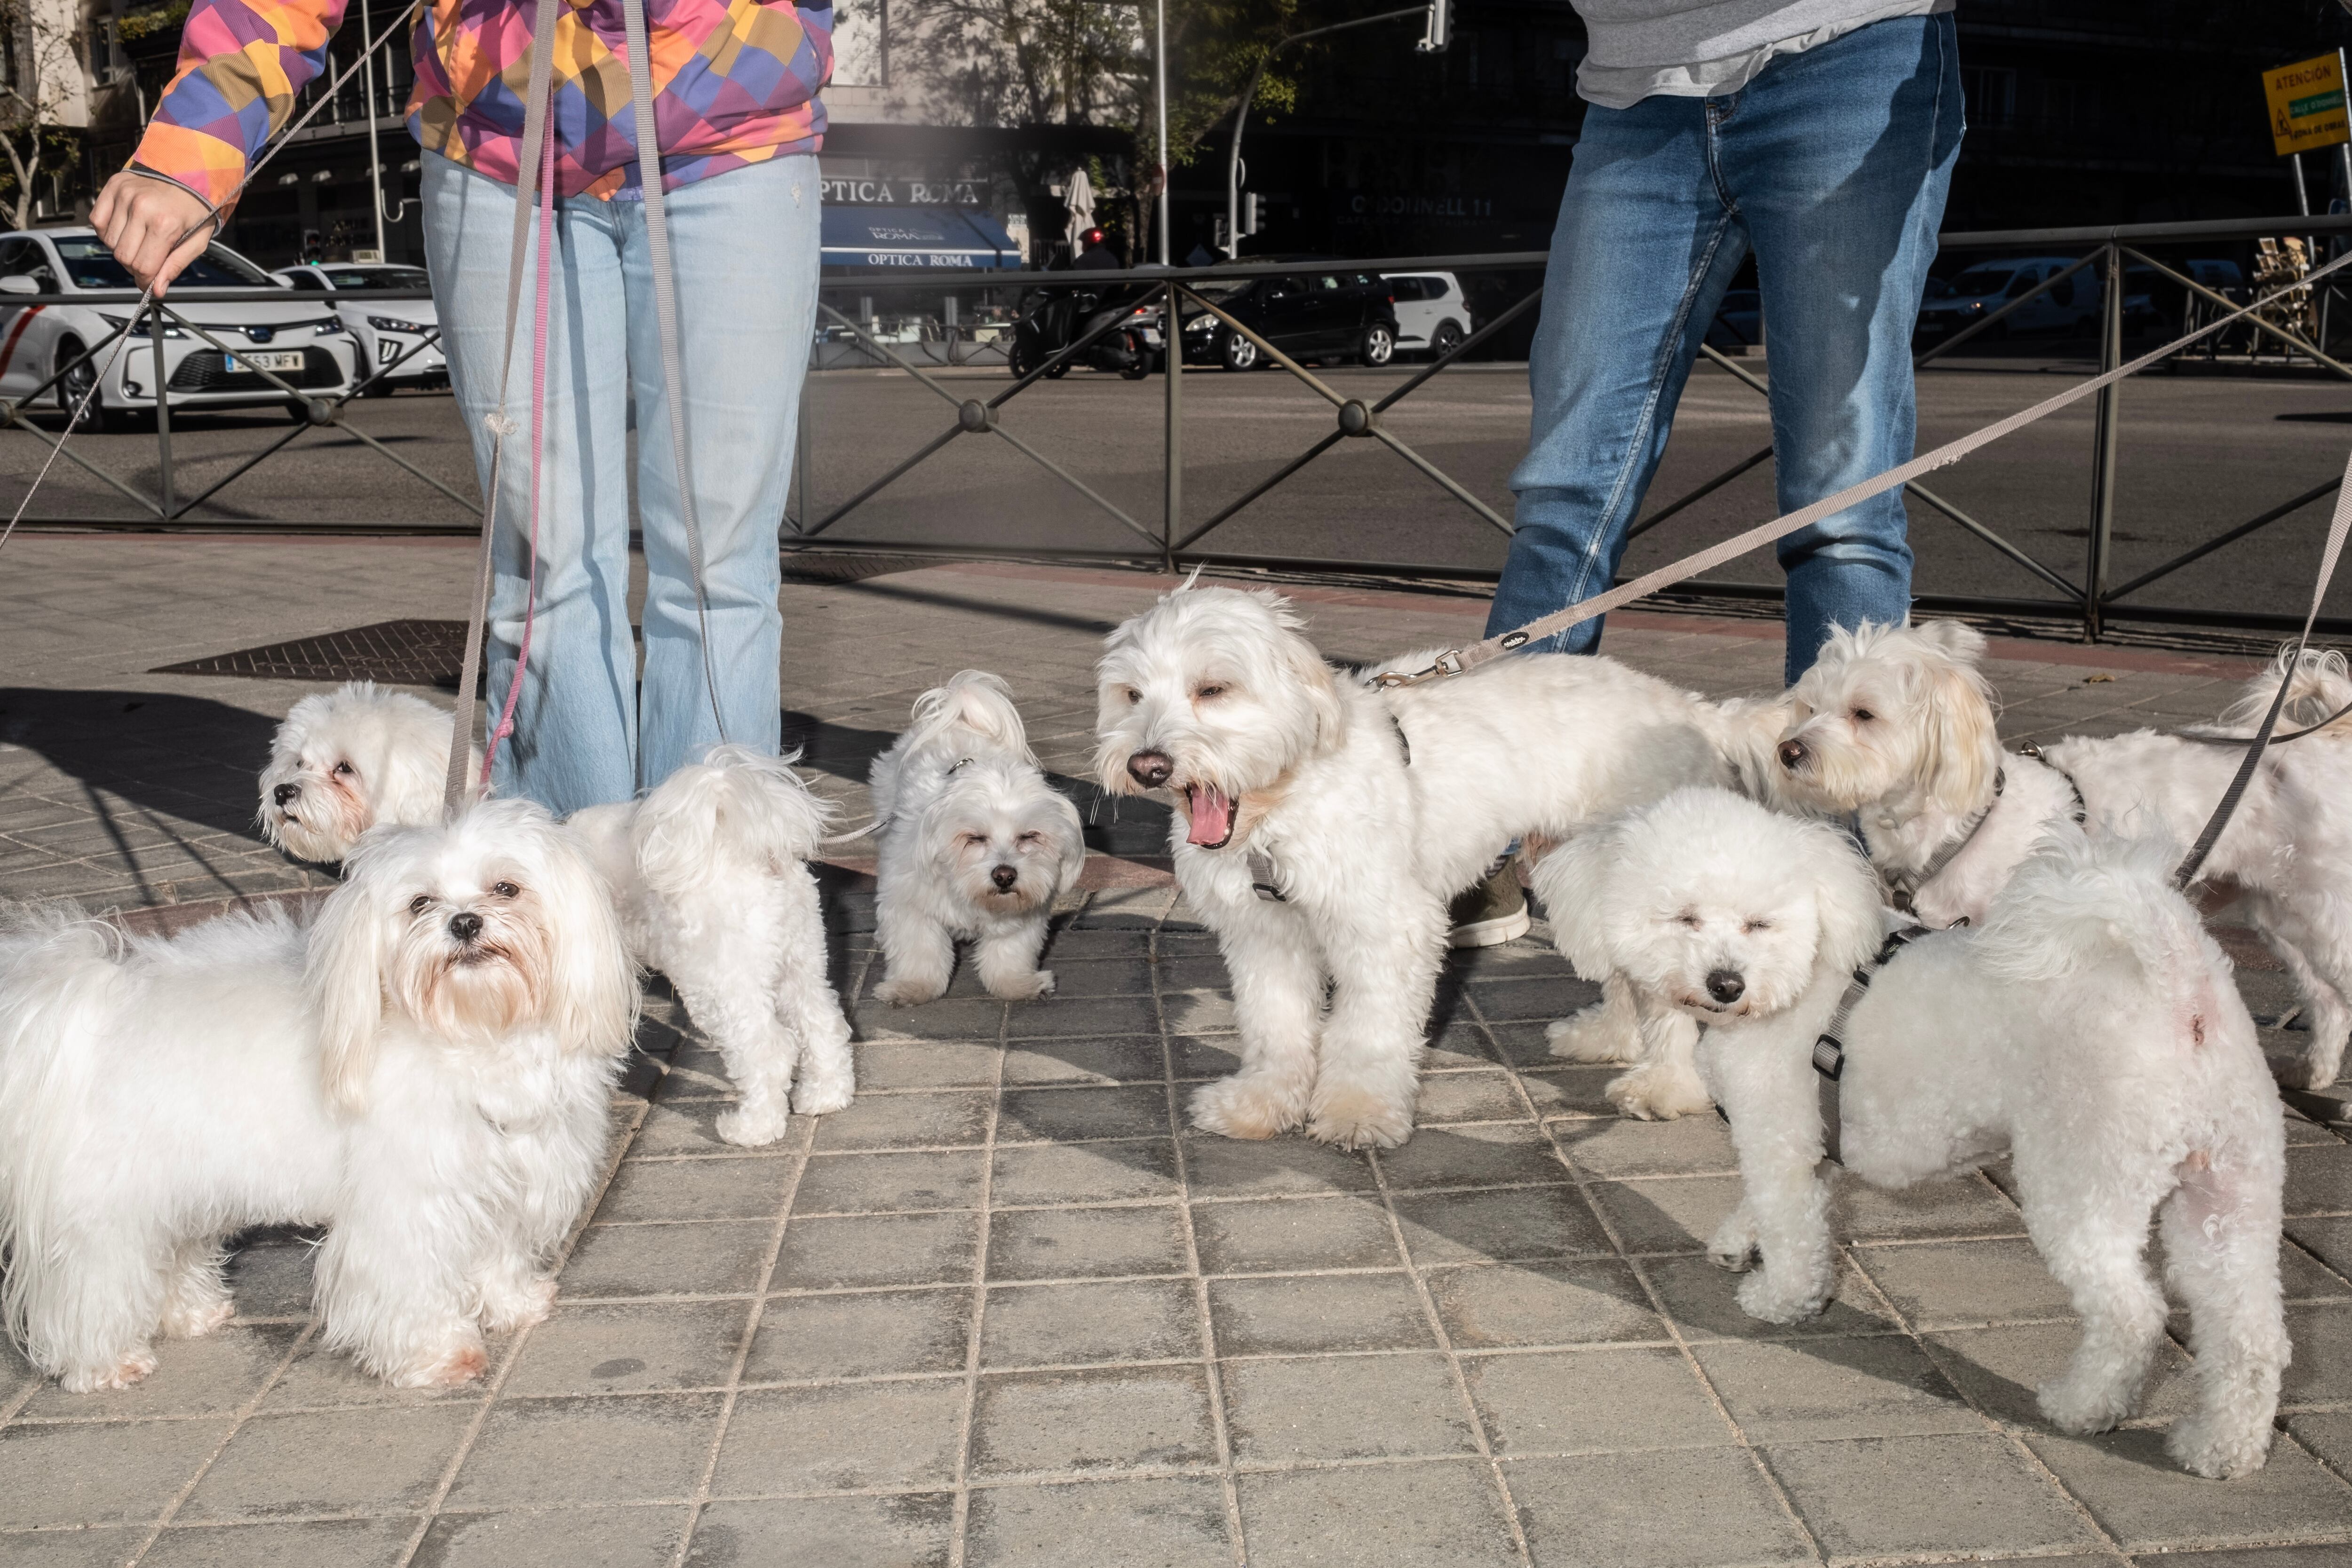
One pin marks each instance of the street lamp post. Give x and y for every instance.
(375, 164)
(1160, 56)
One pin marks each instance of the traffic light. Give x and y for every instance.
(1439, 32)
(1253, 212)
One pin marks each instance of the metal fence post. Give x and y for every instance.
(2104, 444)
(1172, 365)
(163, 413)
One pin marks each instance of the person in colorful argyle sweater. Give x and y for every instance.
(738, 123)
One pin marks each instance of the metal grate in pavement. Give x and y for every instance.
(401, 652)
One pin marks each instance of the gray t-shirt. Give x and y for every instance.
(1698, 49)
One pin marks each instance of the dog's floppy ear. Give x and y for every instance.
(1074, 842)
(592, 988)
(1963, 746)
(1318, 684)
(342, 972)
(1574, 882)
(1845, 900)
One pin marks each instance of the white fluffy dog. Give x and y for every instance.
(1897, 724)
(1325, 823)
(2089, 1027)
(427, 1071)
(706, 870)
(975, 844)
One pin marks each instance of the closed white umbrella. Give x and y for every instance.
(1080, 200)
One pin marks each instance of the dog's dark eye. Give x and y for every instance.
(418, 905)
(1031, 838)
(506, 890)
(1133, 695)
(1211, 690)
(1863, 716)
(1752, 926)
(1688, 919)
(345, 767)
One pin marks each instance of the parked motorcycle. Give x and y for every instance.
(1053, 318)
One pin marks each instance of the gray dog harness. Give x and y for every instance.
(1829, 1050)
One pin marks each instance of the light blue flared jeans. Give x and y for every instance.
(588, 728)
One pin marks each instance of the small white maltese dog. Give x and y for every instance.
(1325, 822)
(975, 844)
(706, 871)
(2089, 1027)
(1897, 724)
(427, 1071)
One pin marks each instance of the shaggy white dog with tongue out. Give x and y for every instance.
(1325, 822)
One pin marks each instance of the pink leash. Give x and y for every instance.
(505, 725)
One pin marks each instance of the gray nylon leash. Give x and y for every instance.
(650, 181)
(457, 788)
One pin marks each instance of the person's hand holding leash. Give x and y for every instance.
(142, 220)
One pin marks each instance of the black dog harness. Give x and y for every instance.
(1829, 1050)
(1899, 886)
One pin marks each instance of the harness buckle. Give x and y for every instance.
(1828, 1058)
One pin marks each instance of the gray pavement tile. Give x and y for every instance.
(750, 1188)
(1095, 1015)
(1059, 1422)
(907, 1121)
(1865, 1497)
(1297, 1314)
(269, 1273)
(1599, 1400)
(1447, 1515)
(1076, 1243)
(1067, 1115)
(1520, 1044)
(1258, 1237)
(1960, 1206)
(1703, 1300)
(555, 1538)
(1204, 972)
(878, 1250)
(1170, 1521)
(306, 1543)
(2143, 1499)
(1695, 1508)
(1345, 1407)
(1561, 1090)
(689, 1129)
(1460, 1041)
(1199, 1056)
(2322, 1369)
(1957, 1283)
(862, 1183)
(2334, 1555)
(1791, 1391)
(2000, 1369)
(713, 1258)
(1475, 1156)
(1085, 1173)
(861, 1333)
(1506, 1224)
(2310, 1273)
(855, 1436)
(1111, 1320)
(2327, 1434)
(630, 1349)
(1522, 1304)
(908, 1531)
(1077, 975)
(1539, 1000)
(635, 1447)
(932, 1064)
(1689, 1146)
(331, 1461)
(1198, 1013)
(99, 1472)
(1239, 1167)
(1673, 1215)
(1135, 1059)
(208, 1376)
(1132, 946)
(1467, 1096)
(2319, 1180)
(951, 1018)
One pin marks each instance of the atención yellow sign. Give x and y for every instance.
(2306, 102)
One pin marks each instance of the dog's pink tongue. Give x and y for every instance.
(1212, 814)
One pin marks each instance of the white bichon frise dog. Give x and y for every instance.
(2089, 1027)
(1325, 822)
(706, 871)
(1896, 724)
(427, 1071)
(975, 844)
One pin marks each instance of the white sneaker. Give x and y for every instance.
(1491, 912)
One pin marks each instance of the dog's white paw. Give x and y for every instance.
(1658, 1092)
(519, 1304)
(122, 1373)
(749, 1127)
(1733, 1245)
(1248, 1106)
(1597, 1033)
(1023, 987)
(2220, 1451)
(1353, 1117)
(1774, 1301)
(2078, 1404)
(908, 993)
(455, 1368)
(820, 1097)
(193, 1319)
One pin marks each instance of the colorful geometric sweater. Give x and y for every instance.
(735, 82)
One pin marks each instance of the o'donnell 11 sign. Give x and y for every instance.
(2307, 104)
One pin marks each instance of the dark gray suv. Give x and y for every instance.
(1310, 314)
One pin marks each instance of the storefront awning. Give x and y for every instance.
(952, 239)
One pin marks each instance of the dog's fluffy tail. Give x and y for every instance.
(735, 807)
(973, 703)
(2322, 686)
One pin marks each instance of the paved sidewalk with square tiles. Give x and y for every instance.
(1008, 1308)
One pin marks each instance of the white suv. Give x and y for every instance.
(1431, 316)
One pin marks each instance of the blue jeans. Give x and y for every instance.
(1833, 164)
(745, 246)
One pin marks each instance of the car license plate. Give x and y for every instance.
(288, 360)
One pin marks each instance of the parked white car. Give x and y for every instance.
(1960, 301)
(388, 332)
(1432, 315)
(305, 346)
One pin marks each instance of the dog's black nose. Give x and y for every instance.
(465, 928)
(1004, 876)
(1794, 754)
(1725, 986)
(285, 794)
(1151, 769)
